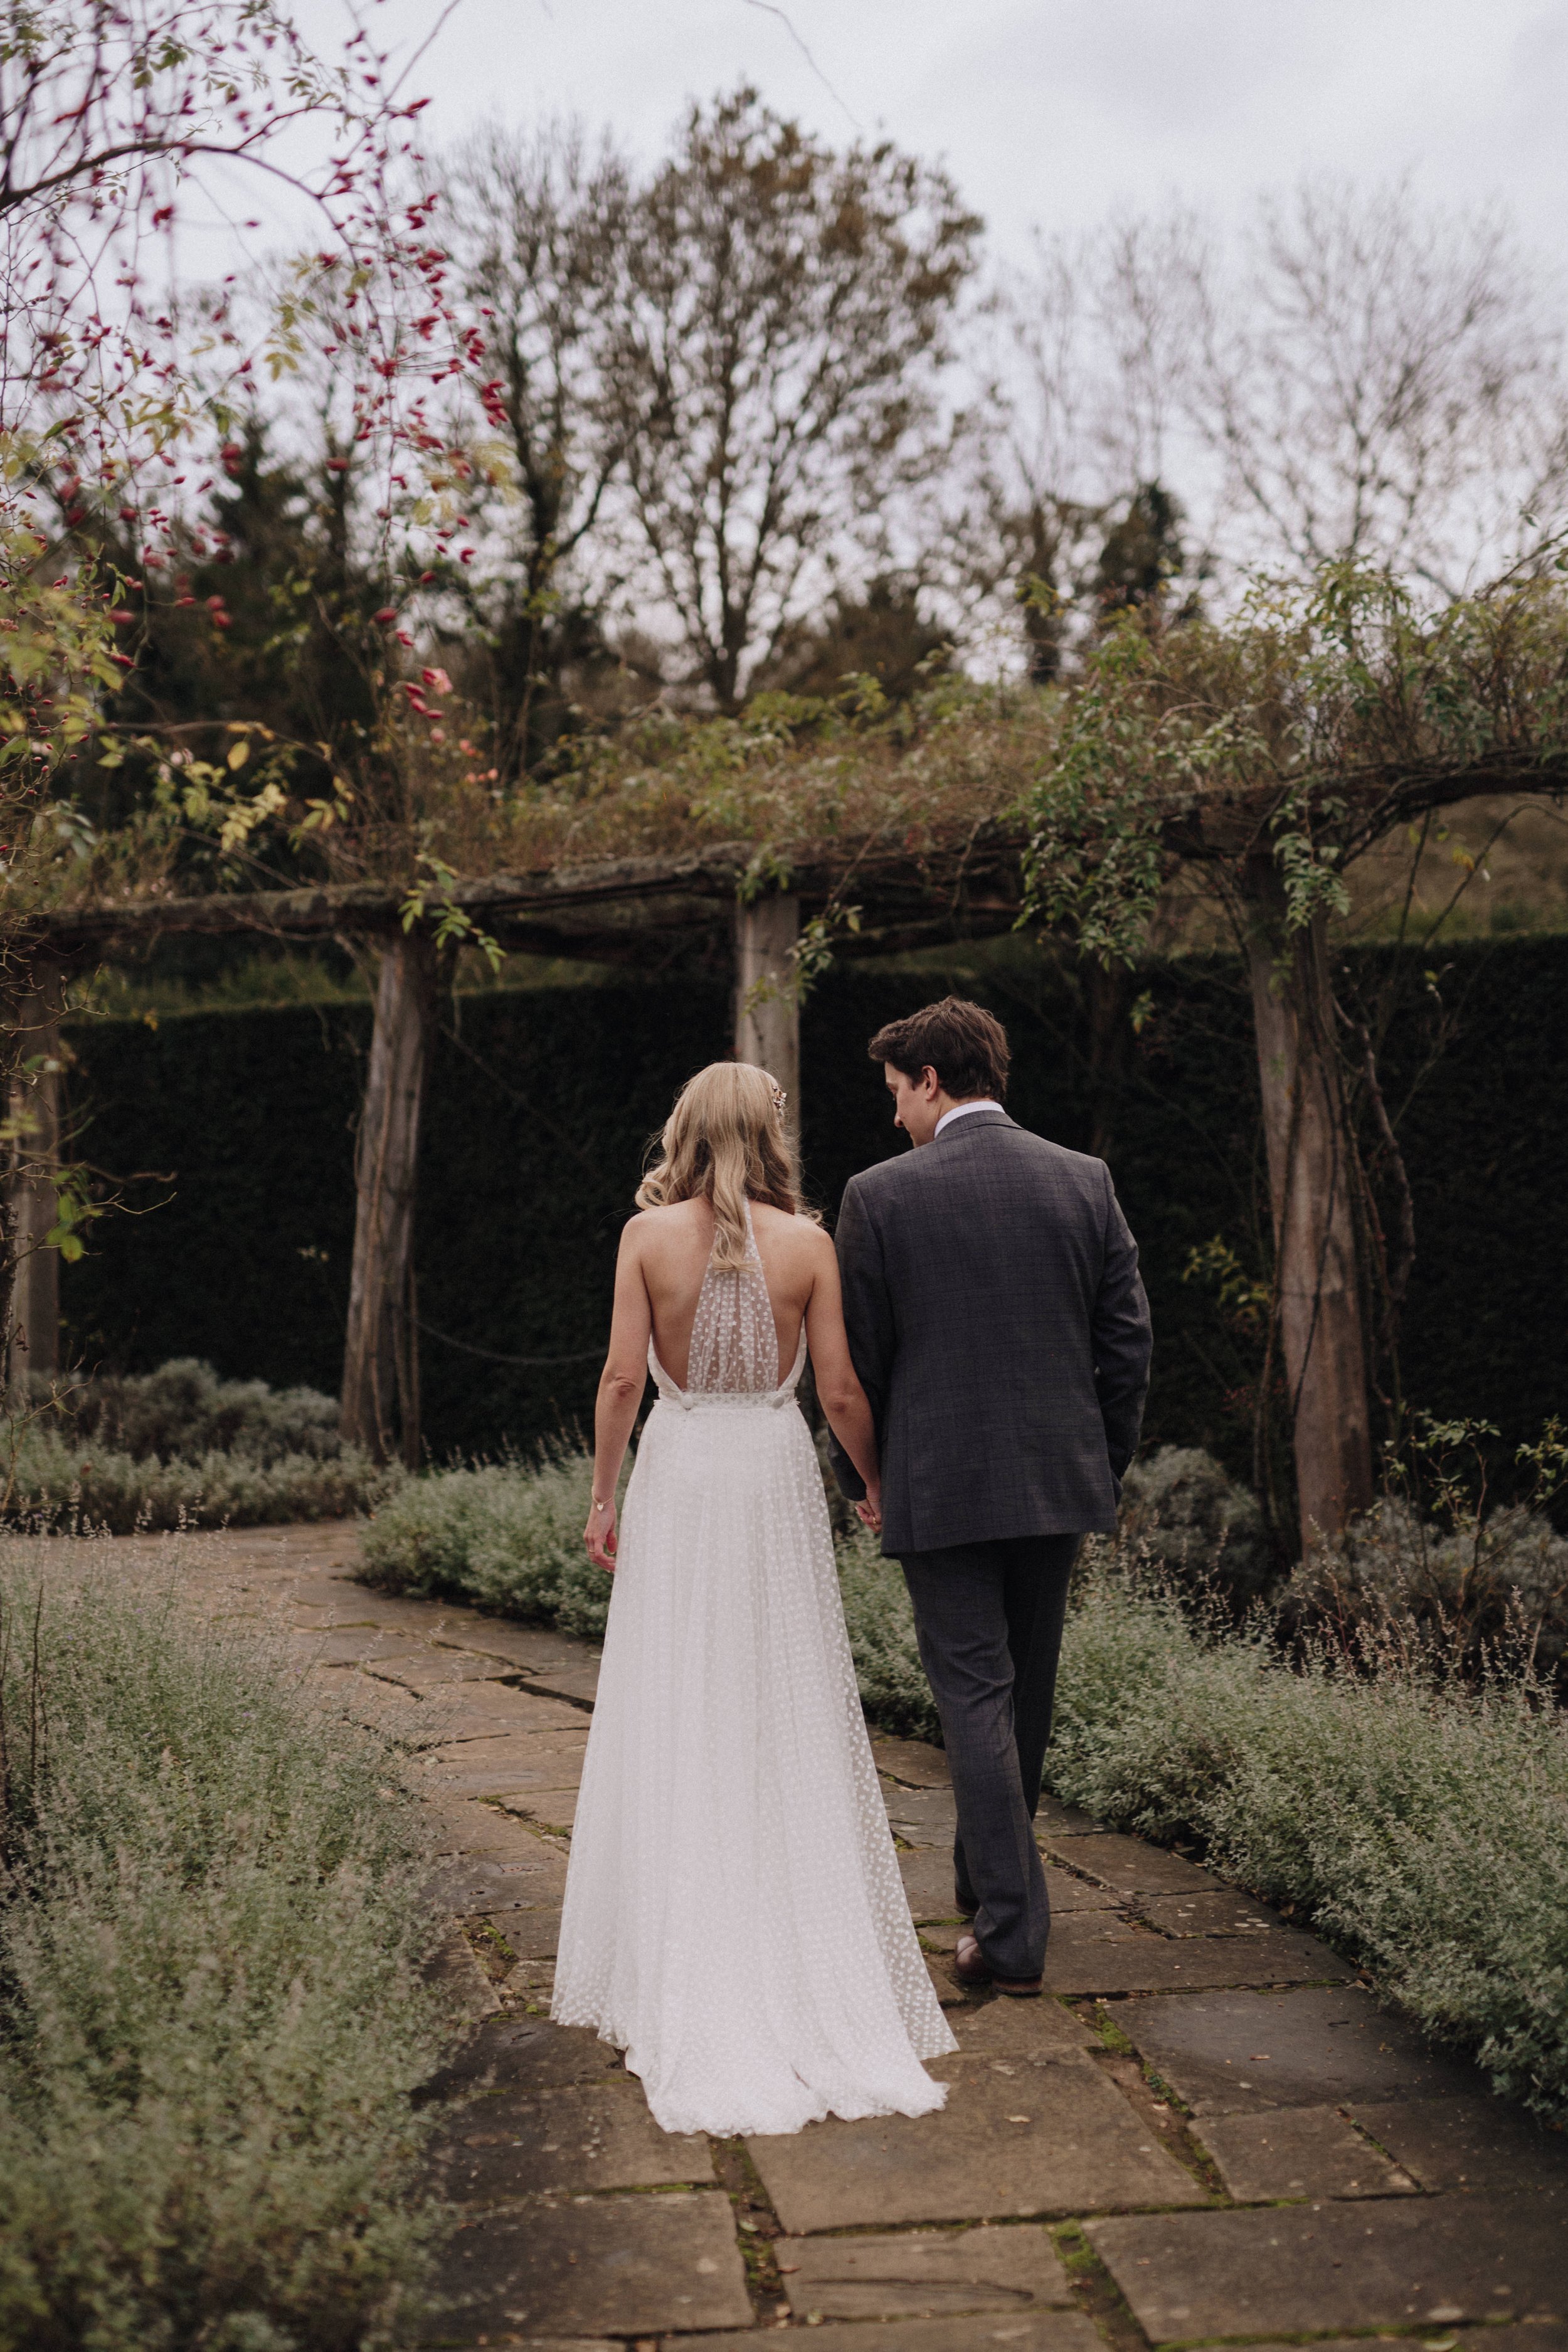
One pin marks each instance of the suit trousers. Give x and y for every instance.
(988, 1618)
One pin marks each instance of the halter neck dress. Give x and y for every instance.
(735, 1920)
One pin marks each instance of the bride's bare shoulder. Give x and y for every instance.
(679, 1222)
(781, 1229)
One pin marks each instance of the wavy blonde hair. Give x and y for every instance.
(725, 1141)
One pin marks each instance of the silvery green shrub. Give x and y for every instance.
(505, 1535)
(881, 1628)
(61, 1482)
(213, 1989)
(185, 1410)
(1421, 1825)
(1195, 1525)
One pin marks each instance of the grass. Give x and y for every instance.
(1418, 1820)
(179, 1447)
(213, 2004)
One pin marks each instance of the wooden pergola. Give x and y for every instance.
(629, 911)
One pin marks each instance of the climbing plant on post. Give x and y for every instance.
(1272, 752)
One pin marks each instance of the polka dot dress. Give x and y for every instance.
(735, 1920)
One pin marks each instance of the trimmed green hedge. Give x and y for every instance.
(542, 1101)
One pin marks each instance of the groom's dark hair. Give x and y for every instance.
(964, 1044)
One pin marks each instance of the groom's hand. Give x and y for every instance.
(869, 1512)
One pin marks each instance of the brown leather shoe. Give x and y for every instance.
(971, 1971)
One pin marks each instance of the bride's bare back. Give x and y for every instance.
(673, 1250)
(659, 1274)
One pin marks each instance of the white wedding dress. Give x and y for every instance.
(735, 1920)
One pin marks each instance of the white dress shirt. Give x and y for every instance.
(985, 1103)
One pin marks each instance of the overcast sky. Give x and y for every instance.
(1060, 112)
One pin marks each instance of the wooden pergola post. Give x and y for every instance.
(33, 1318)
(1307, 1130)
(380, 1406)
(767, 1004)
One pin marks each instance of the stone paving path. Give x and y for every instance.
(1208, 2132)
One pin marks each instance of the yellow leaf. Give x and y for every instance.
(238, 753)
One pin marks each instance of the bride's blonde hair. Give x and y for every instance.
(725, 1141)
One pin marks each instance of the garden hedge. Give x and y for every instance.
(240, 1124)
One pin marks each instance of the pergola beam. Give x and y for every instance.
(566, 909)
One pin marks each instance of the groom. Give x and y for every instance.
(1001, 1333)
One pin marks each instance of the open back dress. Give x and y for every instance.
(735, 1920)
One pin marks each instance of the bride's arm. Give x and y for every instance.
(621, 1385)
(838, 1390)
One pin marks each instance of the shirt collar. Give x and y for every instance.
(960, 1109)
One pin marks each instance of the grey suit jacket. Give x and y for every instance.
(1000, 1330)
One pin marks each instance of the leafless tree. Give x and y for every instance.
(1355, 376)
(1382, 384)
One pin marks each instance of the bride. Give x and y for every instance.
(735, 1920)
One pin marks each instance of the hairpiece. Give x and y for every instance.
(780, 1098)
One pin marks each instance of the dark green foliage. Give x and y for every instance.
(543, 1102)
(243, 1123)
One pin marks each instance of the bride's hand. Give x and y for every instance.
(869, 1512)
(599, 1534)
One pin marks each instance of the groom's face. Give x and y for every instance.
(917, 1102)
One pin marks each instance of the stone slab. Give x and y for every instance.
(600, 2266)
(528, 1935)
(1235, 2051)
(425, 1667)
(1299, 2152)
(516, 1880)
(1289, 2270)
(1225, 1912)
(926, 1874)
(927, 1882)
(999, 2027)
(922, 1816)
(456, 1967)
(1467, 2143)
(504, 2146)
(922, 2273)
(508, 1764)
(525, 2053)
(480, 1699)
(1056, 1820)
(531, 1983)
(1540, 2335)
(353, 1645)
(554, 1809)
(947, 1992)
(1042, 2331)
(530, 1650)
(1078, 1961)
(474, 1833)
(448, 2334)
(913, 1761)
(579, 1681)
(1054, 2137)
(465, 1711)
(1131, 1866)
